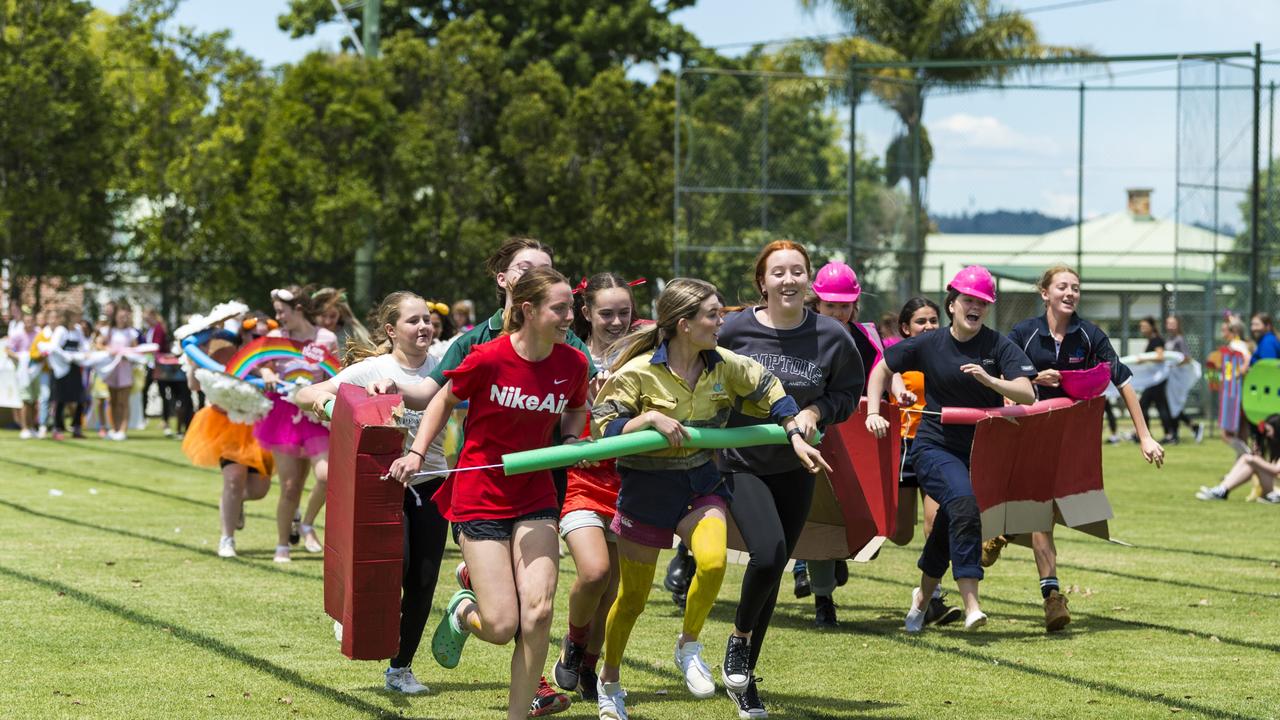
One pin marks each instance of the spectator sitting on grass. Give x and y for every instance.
(1251, 464)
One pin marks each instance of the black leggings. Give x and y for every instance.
(770, 511)
(68, 393)
(1155, 395)
(175, 401)
(425, 532)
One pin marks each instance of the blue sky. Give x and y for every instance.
(1006, 149)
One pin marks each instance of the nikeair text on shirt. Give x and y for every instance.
(517, 399)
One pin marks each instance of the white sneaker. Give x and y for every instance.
(282, 554)
(309, 539)
(697, 676)
(402, 680)
(42, 432)
(168, 432)
(915, 615)
(337, 631)
(611, 700)
(1210, 493)
(25, 434)
(975, 620)
(227, 547)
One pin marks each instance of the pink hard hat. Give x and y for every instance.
(837, 282)
(975, 280)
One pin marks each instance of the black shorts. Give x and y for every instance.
(500, 529)
(223, 462)
(906, 471)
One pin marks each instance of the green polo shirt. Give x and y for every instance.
(483, 333)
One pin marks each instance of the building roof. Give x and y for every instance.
(1120, 250)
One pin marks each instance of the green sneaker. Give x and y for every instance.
(446, 644)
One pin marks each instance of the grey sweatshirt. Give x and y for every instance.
(818, 365)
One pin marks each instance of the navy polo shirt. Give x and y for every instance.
(1083, 346)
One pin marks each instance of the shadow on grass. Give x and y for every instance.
(204, 554)
(1085, 621)
(40, 469)
(1207, 553)
(116, 449)
(203, 642)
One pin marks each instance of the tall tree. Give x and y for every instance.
(579, 38)
(907, 30)
(55, 142)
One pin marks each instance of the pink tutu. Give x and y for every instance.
(289, 430)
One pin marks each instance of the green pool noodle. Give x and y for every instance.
(636, 443)
(328, 408)
(1261, 391)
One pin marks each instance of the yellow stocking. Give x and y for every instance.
(635, 579)
(708, 542)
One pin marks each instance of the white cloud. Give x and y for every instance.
(1058, 204)
(985, 132)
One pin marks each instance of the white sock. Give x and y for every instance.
(305, 528)
(937, 591)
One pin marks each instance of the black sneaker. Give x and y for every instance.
(749, 705)
(803, 589)
(295, 532)
(737, 656)
(824, 614)
(679, 572)
(842, 573)
(679, 599)
(587, 680)
(568, 669)
(940, 613)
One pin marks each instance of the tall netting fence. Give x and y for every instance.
(1137, 171)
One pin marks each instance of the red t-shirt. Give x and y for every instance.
(514, 405)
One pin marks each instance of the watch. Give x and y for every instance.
(793, 432)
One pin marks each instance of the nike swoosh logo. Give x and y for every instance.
(560, 382)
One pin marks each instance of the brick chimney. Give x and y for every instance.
(1140, 203)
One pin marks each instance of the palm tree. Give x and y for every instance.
(912, 30)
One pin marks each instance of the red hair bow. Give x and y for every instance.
(583, 285)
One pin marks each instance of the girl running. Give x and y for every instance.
(520, 387)
(214, 440)
(969, 365)
(814, 358)
(403, 336)
(1056, 341)
(606, 313)
(667, 376)
(296, 440)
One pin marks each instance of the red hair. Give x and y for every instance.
(763, 258)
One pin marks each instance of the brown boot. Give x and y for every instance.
(1056, 615)
(991, 550)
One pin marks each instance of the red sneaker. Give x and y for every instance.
(463, 576)
(547, 701)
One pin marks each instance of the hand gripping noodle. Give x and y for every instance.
(364, 536)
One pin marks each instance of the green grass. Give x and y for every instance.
(113, 604)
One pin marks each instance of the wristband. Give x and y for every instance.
(874, 413)
(415, 452)
(794, 432)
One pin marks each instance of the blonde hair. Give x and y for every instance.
(388, 313)
(533, 287)
(1047, 278)
(679, 300)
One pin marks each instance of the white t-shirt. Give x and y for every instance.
(383, 367)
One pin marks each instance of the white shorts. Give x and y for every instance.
(578, 519)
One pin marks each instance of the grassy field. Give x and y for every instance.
(113, 604)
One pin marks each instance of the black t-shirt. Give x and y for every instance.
(939, 356)
(1154, 343)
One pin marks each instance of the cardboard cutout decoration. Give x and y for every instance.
(1262, 391)
(1041, 468)
(364, 535)
(1229, 399)
(856, 507)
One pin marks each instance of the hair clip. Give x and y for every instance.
(283, 295)
(438, 308)
(583, 285)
